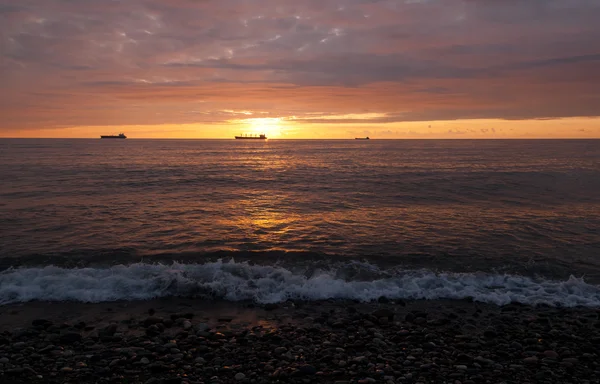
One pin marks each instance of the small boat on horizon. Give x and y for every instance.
(362, 138)
(119, 136)
(252, 137)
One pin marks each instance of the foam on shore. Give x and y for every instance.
(270, 284)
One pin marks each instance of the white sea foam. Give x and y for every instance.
(268, 284)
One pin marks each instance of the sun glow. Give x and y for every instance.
(270, 126)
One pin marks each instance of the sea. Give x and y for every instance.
(496, 221)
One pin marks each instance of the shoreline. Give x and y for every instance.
(184, 340)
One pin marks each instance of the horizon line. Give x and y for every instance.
(307, 139)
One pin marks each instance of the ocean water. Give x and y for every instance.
(496, 220)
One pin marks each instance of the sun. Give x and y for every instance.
(270, 126)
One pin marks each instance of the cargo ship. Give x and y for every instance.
(362, 138)
(251, 137)
(119, 136)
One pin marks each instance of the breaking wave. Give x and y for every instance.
(269, 284)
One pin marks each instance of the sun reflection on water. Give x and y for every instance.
(261, 222)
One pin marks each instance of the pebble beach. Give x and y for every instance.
(178, 341)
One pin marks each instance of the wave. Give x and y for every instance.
(235, 281)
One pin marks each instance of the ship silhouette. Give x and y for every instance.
(119, 136)
(251, 137)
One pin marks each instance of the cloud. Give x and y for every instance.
(182, 61)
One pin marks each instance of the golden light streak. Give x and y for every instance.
(289, 128)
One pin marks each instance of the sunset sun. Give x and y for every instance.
(270, 126)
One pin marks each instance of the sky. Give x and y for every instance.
(301, 68)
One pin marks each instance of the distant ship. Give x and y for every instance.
(119, 136)
(362, 138)
(251, 137)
